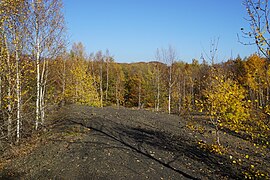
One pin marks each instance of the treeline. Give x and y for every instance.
(233, 94)
(37, 75)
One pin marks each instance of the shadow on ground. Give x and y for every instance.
(119, 147)
(144, 141)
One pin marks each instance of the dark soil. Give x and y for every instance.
(108, 143)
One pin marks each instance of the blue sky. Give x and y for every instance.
(132, 30)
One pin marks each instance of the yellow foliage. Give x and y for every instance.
(214, 148)
(225, 103)
(80, 87)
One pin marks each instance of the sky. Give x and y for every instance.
(132, 30)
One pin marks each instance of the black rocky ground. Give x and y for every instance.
(108, 143)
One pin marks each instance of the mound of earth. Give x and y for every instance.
(107, 143)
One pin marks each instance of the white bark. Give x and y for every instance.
(184, 90)
(37, 47)
(117, 93)
(107, 78)
(139, 95)
(37, 75)
(43, 83)
(9, 113)
(169, 58)
(179, 98)
(158, 58)
(18, 94)
(158, 93)
(170, 89)
(46, 27)
(100, 83)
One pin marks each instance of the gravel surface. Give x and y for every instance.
(108, 143)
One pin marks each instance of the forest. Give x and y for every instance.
(38, 75)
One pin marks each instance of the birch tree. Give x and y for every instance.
(157, 73)
(6, 19)
(119, 85)
(18, 39)
(169, 57)
(259, 28)
(107, 60)
(99, 60)
(46, 26)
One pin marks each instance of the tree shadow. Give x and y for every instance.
(179, 146)
(241, 134)
(142, 141)
(211, 127)
(113, 131)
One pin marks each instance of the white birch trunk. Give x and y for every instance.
(179, 98)
(107, 79)
(9, 119)
(42, 91)
(46, 30)
(117, 94)
(158, 90)
(184, 91)
(158, 97)
(42, 105)
(140, 89)
(38, 54)
(170, 89)
(18, 93)
(100, 85)
(38, 80)
(38, 93)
